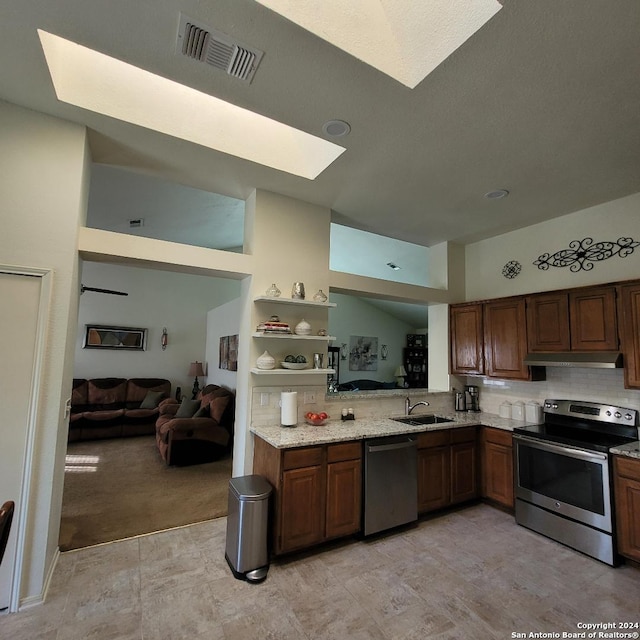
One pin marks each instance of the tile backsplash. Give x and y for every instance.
(595, 385)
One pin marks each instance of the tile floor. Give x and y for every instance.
(472, 573)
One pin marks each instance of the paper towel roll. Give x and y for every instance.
(289, 408)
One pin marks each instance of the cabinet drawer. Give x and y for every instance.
(433, 439)
(464, 434)
(627, 467)
(344, 451)
(498, 436)
(297, 458)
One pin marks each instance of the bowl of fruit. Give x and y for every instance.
(316, 419)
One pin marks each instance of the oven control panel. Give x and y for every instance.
(592, 411)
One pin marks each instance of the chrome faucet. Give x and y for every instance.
(408, 407)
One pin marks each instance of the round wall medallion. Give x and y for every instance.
(511, 269)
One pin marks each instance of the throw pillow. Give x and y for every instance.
(202, 412)
(187, 408)
(152, 399)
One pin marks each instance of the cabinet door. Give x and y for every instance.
(498, 474)
(592, 314)
(464, 472)
(466, 339)
(301, 508)
(627, 493)
(344, 496)
(505, 338)
(548, 322)
(434, 478)
(630, 333)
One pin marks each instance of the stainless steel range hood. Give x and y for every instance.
(589, 360)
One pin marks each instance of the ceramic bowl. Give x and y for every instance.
(294, 365)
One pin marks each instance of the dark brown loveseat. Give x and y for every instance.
(203, 434)
(115, 407)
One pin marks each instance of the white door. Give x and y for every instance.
(19, 315)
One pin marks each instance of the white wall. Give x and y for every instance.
(222, 321)
(609, 221)
(356, 317)
(44, 172)
(157, 299)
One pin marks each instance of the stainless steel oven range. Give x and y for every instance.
(563, 473)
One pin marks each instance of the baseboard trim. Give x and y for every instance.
(39, 598)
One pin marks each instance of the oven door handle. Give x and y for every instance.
(558, 448)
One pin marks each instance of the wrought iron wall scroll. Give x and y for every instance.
(583, 254)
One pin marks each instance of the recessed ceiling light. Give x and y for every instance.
(336, 128)
(393, 265)
(496, 194)
(102, 84)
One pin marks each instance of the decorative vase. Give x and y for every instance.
(303, 328)
(321, 296)
(266, 361)
(297, 293)
(273, 291)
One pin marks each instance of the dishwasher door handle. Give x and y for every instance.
(390, 447)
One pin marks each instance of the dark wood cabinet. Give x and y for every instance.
(629, 314)
(593, 320)
(497, 466)
(627, 496)
(447, 468)
(466, 339)
(317, 492)
(344, 489)
(505, 339)
(548, 322)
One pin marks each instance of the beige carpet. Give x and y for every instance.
(118, 488)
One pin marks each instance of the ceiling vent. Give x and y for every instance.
(136, 223)
(217, 49)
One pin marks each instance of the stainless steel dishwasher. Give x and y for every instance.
(390, 482)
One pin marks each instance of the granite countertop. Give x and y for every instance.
(361, 428)
(631, 450)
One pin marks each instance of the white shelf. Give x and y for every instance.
(291, 336)
(301, 303)
(296, 372)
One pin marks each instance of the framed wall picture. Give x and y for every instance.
(98, 336)
(363, 353)
(228, 353)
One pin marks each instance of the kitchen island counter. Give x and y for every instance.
(362, 428)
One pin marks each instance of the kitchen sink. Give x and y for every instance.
(424, 419)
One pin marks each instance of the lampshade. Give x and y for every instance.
(400, 371)
(195, 369)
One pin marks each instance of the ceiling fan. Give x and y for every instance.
(110, 291)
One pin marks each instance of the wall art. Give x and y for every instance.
(97, 336)
(228, 353)
(511, 269)
(363, 353)
(583, 254)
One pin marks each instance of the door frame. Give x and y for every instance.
(22, 513)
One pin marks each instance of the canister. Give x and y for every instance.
(505, 409)
(533, 412)
(517, 410)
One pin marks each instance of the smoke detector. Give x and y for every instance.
(204, 44)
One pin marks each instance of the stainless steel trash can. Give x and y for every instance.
(247, 527)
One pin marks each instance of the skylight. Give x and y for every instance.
(97, 82)
(405, 39)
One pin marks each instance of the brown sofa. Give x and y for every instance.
(199, 438)
(115, 407)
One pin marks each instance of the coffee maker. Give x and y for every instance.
(473, 397)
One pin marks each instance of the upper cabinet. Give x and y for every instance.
(577, 320)
(466, 339)
(629, 312)
(592, 315)
(505, 339)
(548, 322)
